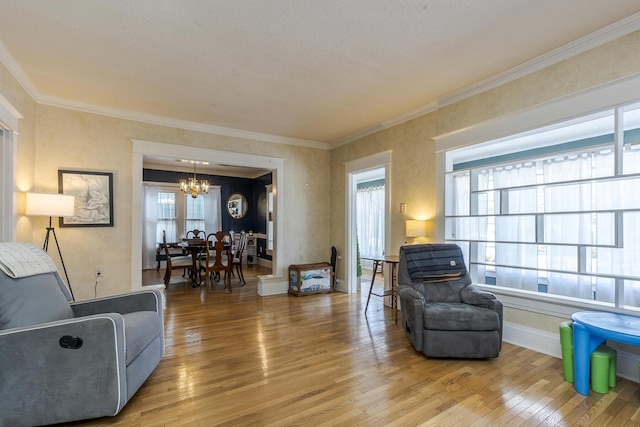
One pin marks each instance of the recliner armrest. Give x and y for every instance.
(147, 300)
(474, 296)
(408, 293)
(58, 382)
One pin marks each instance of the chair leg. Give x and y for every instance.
(240, 273)
(167, 276)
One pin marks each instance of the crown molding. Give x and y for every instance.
(176, 123)
(410, 115)
(583, 44)
(604, 35)
(16, 71)
(7, 59)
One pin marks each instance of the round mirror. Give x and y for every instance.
(237, 206)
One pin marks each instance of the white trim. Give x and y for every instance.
(8, 114)
(16, 71)
(176, 123)
(270, 285)
(405, 117)
(583, 44)
(9, 122)
(158, 149)
(604, 35)
(588, 101)
(352, 168)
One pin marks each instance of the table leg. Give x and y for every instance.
(373, 279)
(394, 295)
(194, 273)
(583, 345)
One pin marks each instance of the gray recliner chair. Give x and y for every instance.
(442, 313)
(62, 361)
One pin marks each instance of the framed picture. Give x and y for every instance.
(93, 192)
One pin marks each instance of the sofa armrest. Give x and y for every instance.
(412, 308)
(147, 300)
(42, 382)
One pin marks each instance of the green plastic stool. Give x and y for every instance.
(566, 343)
(603, 369)
(603, 361)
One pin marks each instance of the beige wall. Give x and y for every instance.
(413, 177)
(53, 138)
(68, 139)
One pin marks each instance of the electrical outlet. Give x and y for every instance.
(99, 273)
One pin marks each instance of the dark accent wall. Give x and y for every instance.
(253, 189)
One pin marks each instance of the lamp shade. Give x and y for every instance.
(41, 204)
(416, 228)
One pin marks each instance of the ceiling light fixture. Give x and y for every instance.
(192, 185)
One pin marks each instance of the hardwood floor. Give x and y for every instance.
(242, 360)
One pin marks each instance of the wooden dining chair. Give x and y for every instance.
(196, 234)
(219, 258)
(174, 262)
(237, 256)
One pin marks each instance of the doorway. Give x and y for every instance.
(369, 169)
(162, 150)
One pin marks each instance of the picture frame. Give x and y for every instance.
(93, 192)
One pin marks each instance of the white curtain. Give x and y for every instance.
(583, 229)
(516, 228)
(370, 220)
(149, 216)
(212, 211)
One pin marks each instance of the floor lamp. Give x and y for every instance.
(60, 205)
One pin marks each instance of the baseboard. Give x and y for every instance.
(269, 285)
(549, 343)
(341, 286)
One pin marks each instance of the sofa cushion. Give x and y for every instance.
(459, 317)
(140, 328)
(32, 300)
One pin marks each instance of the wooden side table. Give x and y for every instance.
(393, 261)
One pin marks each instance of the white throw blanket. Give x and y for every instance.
(24, 259)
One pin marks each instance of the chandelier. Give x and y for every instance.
(193, 186)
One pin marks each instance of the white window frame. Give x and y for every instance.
(590, 101)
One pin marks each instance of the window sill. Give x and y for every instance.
(558, 306)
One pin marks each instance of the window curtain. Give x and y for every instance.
(370, 220)
(516, 228)
(212, 211)
(584, 229)
(149, 217)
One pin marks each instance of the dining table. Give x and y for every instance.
(194, 247)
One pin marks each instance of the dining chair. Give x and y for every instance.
(218, 259)
(196, 234)
(174, 262)
(237, 256)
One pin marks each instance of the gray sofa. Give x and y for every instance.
(443, 315)
(62, 361)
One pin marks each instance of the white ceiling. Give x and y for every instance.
(302, 72)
